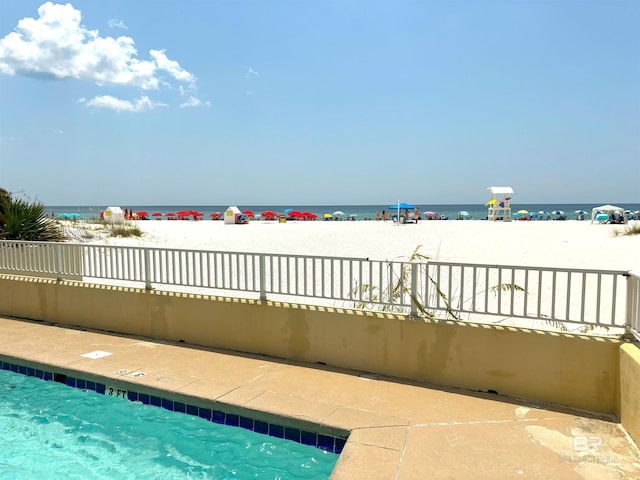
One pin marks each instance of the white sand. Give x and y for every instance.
(570, 244)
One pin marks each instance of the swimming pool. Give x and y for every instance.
(48, 430)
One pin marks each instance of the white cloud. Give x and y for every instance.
(57, 45)
(251, 71)
(61, 132)
(191, 102)
(112, 103)
(117, 23)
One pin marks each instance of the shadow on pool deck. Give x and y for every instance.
(398, 429)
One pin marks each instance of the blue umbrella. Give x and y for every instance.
(403, 206)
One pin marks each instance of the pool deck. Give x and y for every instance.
(398, 429)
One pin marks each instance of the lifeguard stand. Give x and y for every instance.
(500, 203)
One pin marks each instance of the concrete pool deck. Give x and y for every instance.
(398, 429)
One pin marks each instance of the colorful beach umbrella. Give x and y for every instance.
(490, 202)
(523, 212)
(558, 212)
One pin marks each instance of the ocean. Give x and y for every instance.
(359, 212)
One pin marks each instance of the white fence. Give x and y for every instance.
(553, 297)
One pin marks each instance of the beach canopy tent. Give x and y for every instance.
(114, 215)
(604, 209)
(230, 215)
(401, 206)
(499, 203)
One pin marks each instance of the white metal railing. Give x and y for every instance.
(633, 305)
(474, 292)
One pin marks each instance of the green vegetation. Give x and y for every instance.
(628, 230)
(22, 220)
(125, 231)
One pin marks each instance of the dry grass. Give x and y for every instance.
(125, 231)
(628, 230)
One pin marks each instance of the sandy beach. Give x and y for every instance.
(567, 244)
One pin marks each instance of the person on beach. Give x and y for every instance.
(416, 215)
(377, 216)
(384, 216)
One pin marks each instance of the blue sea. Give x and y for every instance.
(358, 212)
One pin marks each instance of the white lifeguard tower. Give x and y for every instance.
(499, 204)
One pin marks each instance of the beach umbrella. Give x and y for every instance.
(429, 212)
(580, 212)
(338, 213)
(402, 206)
(327, 215)
(463, 213)
(248, 213)
(156, 214)
(490, 202)
(523, 212)
(269, 213)
(558, 212)
(353, 214)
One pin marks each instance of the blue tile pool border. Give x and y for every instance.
(324, 442)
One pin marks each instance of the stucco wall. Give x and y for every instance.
(630, 390)
(576, 371)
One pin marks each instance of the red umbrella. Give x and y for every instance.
(142, 214)
(309, 216)
(156, 214)
(269, 213)
(215, 215)
(248, 213)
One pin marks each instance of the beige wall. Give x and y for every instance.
(630, 390)
(576, 371)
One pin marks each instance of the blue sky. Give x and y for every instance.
(309, 102)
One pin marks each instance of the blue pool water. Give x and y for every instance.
(51, 431)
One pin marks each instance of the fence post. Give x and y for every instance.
(414, 289)
(147, 269)
(632, 314)
(262, 274)
(59, 262)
